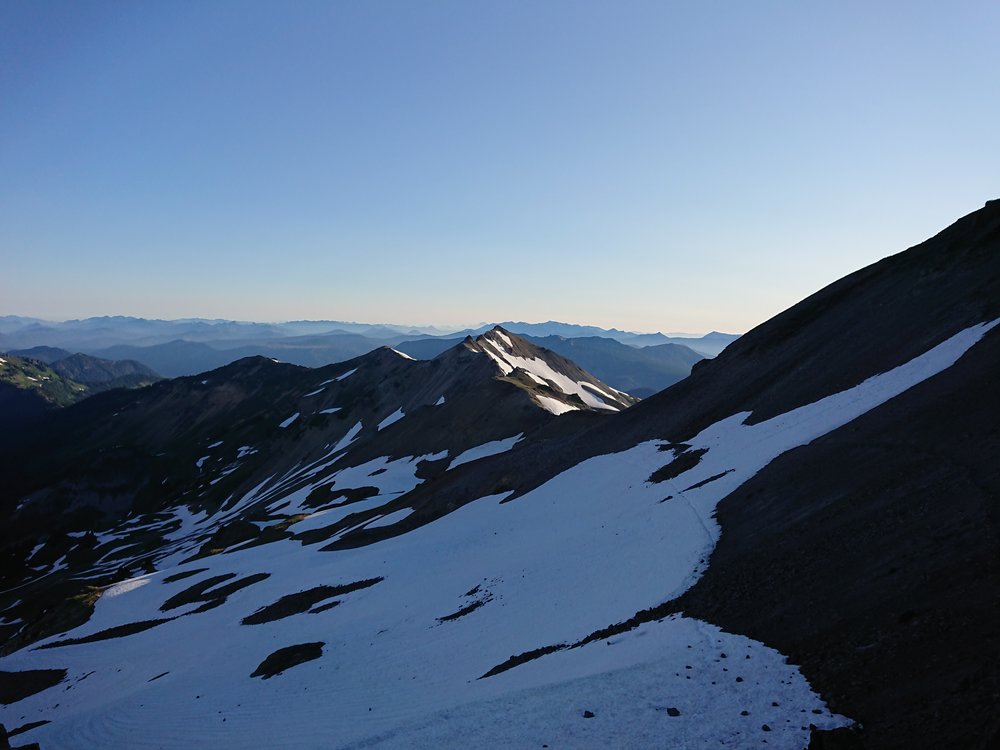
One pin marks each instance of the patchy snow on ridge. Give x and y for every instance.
(486, 449)
(553, 405)
(504, 338)
(404, 658)
(541, 372)
(345, 375)
(289, 420)
(394, 417)
(403, 355)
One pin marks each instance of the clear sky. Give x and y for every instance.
(649, 166)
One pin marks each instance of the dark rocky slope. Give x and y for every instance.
(870, 557)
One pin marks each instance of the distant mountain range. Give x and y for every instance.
(187, 347)
(709, 345)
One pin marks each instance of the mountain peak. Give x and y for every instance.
(555, 383)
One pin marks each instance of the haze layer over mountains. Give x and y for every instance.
(641, 363)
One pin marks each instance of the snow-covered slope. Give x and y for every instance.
(415, 633)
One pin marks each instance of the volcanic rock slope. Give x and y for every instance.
(562, 580)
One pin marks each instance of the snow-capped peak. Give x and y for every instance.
(557, 384)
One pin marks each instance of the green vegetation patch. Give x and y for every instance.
(35, 376)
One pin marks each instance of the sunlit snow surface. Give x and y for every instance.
(553, 405)
(589, 548)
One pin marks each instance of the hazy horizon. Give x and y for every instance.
(444, 328)
(645, 166)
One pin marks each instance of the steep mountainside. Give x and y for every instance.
(903, 505)
(391, 553)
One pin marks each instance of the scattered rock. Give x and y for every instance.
(17, 685)
(588, 714)
(288, 657)
(673, 712)
(295, 604)
(185, 574)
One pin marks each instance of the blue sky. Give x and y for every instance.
(650, 166)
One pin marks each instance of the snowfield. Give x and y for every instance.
(406, 651)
